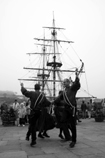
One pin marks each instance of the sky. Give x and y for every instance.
(22, 20)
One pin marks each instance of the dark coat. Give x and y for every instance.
(71, 92)
(83, 106)
(33, 95)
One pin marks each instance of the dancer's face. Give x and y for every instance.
(66, 83)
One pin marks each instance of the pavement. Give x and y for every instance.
(90, 142)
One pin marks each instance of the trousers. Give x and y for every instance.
(72, 122)
(33, 122)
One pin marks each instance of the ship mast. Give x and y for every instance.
(54, 64)
(43, 75)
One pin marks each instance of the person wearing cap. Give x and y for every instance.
(69, 97)
(38, 101)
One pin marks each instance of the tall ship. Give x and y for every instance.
(52, 61)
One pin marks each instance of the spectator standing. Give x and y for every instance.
(16, 107)
(89, 108)
(83, 108)
(22, 113)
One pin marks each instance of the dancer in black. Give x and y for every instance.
(38, 101)
(61, 119)
(69, 97)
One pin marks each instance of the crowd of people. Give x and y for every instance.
(22, 112)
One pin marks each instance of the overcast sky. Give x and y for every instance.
(22, 20)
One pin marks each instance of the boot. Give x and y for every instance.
(40, 135)
(32, 143)
(61, 136)
(46, 135)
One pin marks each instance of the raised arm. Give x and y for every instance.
(24, 91)
(76, 84)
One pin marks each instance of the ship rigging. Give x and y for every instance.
(50, 73)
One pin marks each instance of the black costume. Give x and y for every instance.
(69, 111)
(38, 101)
(45, 122)
(61, 118)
